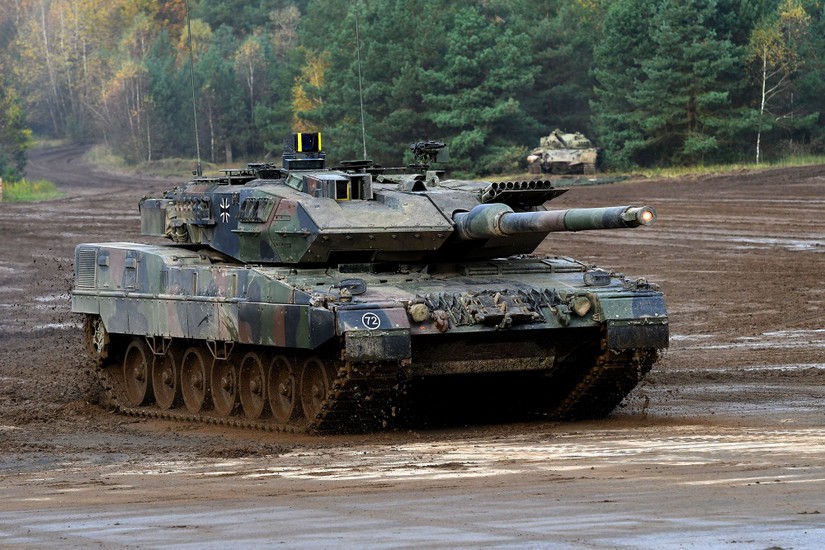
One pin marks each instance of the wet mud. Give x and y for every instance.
(721, 444)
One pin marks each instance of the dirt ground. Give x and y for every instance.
(722, 445)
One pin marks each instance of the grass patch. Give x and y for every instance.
(678, 171)
(30, 191)
(102, 156)
(43, 142)
(705, 170)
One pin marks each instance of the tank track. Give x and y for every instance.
(367, 396)
(364, 396)
(361, 398)
(611, 378)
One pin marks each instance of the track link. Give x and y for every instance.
(361, 399)
(613, 375)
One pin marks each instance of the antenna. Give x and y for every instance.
(360, 88)
(199, 171)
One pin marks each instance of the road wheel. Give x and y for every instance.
(252, 389)
(194, 379)
(96, 337)
(166, 379)
(284, 399)
(137, 372)
(316, 383)
(224, 386)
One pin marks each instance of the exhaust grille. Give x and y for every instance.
(85, 268)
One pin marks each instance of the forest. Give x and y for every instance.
(652, 82)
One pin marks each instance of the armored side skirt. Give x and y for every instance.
(152, 291)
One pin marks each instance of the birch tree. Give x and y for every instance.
(773, 52)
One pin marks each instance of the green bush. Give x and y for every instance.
(29, 191)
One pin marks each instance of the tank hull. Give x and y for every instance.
(190, 335)
(564, 161)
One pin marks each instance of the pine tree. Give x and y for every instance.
(617, 70)
(683, 104)
(473, 98)
(562, 36)
(673, 102)
(398, 40)
(809, 105)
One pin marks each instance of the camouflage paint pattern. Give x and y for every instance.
(169, 292)
(278, 246)
(301, 220)
(325, 297)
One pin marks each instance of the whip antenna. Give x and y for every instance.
(199, 171)
(360, 88)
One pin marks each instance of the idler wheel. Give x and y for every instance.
(97, 338)
(315, 387)
(283, 391)
(224, 387)
(252, 389)
(166, 379)
(193, 379)
(137, 372)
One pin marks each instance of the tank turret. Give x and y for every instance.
(563, 153)
(304, 213)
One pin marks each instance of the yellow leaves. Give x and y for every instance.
(773, 43)
(766, 44)
(307, 88)
(590, 5)
(793, 19)
(793, 10)
(128, 76)
(284, 29)
(201, 38)
(250, 54)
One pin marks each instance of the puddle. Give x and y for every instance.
(58, 326)
(781, 339)
(52, 298)
(795, 245)
(686, 337)
(787, 367)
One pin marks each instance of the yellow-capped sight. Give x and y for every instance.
(308, 142)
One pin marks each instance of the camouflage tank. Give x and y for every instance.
(561, 153)
(314, 299)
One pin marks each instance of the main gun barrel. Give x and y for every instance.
(498, 220)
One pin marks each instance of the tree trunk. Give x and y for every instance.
(762, 102)
(211, 136)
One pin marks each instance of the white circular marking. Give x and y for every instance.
(371, 320)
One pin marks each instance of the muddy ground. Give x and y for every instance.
(722, 445)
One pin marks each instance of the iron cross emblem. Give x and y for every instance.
(224, 210)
